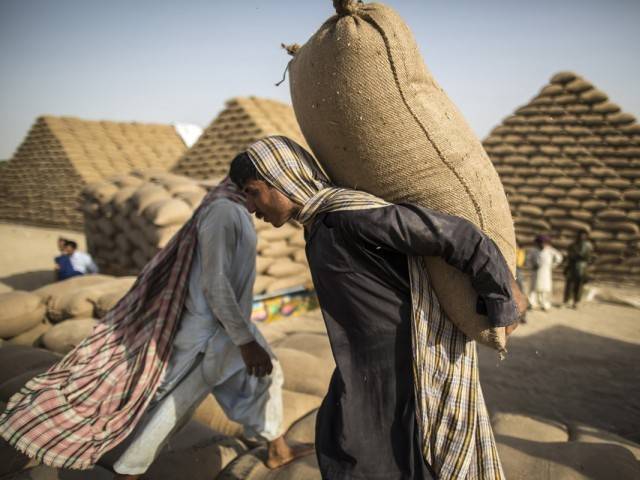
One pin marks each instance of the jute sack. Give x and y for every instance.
(377, 121)
(61, 338)
(295, 405)
(303, 372)
(73, 283)
(167, 212)
(32, 337)
(19, 312)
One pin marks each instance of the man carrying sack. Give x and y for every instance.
(181, 332)
(404, 401)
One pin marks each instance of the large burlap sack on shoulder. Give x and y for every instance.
(19, 312)
(377, 121)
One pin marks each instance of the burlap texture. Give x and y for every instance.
(377, 121)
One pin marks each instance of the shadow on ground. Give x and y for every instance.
(567, 375)
(29, 280)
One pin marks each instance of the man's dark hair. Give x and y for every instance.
(242, 170)
(71, 243)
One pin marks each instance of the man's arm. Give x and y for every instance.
(418, 231)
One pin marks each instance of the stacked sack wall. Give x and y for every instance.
(242, 122)
(570, 161)
(129, 218)
(41, 184)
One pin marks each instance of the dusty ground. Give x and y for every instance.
(569, 365)
(26, 255)
(576, 366)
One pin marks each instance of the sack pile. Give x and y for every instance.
(570, 161)
(41, 183)
(60, 315)
(128, 219)
(242, 122)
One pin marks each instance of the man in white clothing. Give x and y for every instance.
(544, 258)
(81, 262)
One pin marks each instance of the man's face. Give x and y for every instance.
(268, 204)
(61, 245)
(68, 249)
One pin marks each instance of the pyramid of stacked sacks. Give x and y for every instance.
(129, 218)
(570, 161)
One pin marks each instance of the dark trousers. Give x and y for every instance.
(573, 288)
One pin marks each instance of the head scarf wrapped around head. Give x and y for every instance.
(292, 170)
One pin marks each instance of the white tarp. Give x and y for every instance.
(188, 132)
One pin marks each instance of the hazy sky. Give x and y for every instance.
(169, 61)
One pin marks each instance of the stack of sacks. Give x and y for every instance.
(41, 183)
(570, 161)
(129, 218)
(60, 315)
(302, 347)
(242, 122)
(281, 262)
(377, 120)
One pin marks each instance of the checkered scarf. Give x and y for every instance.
(456, 434)
(87, 403)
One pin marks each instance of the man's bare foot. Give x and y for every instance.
(280, 452)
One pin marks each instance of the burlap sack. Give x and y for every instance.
(285, 268)
(295, 405)
(251, 466)
(263, 263)
(313, 344)
(281, 284)
(303, 372)
(262, 283)
(73, 283)
(168, 212)
(16, 360)
(377, 121)
(61, 338)
(19, 312)
(32, 337)
(80, 302)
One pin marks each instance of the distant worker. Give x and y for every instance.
(544, 258)
(63, 267)
(578, 257)
(81, 262)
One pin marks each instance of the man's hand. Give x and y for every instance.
(521, 302)
(256, 359)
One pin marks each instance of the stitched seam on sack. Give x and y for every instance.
(415, 117)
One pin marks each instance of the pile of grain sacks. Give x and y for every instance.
(570, 161)
(129, 218)
(60, 315)
(41, 183)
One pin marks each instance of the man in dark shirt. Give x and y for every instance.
(579, 255)
(363, 254)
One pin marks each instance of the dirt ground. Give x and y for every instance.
(576, 366)
(26, 255)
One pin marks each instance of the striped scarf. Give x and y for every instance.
(87, 403)
(456, 434)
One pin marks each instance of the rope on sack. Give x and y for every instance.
(291, 50)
